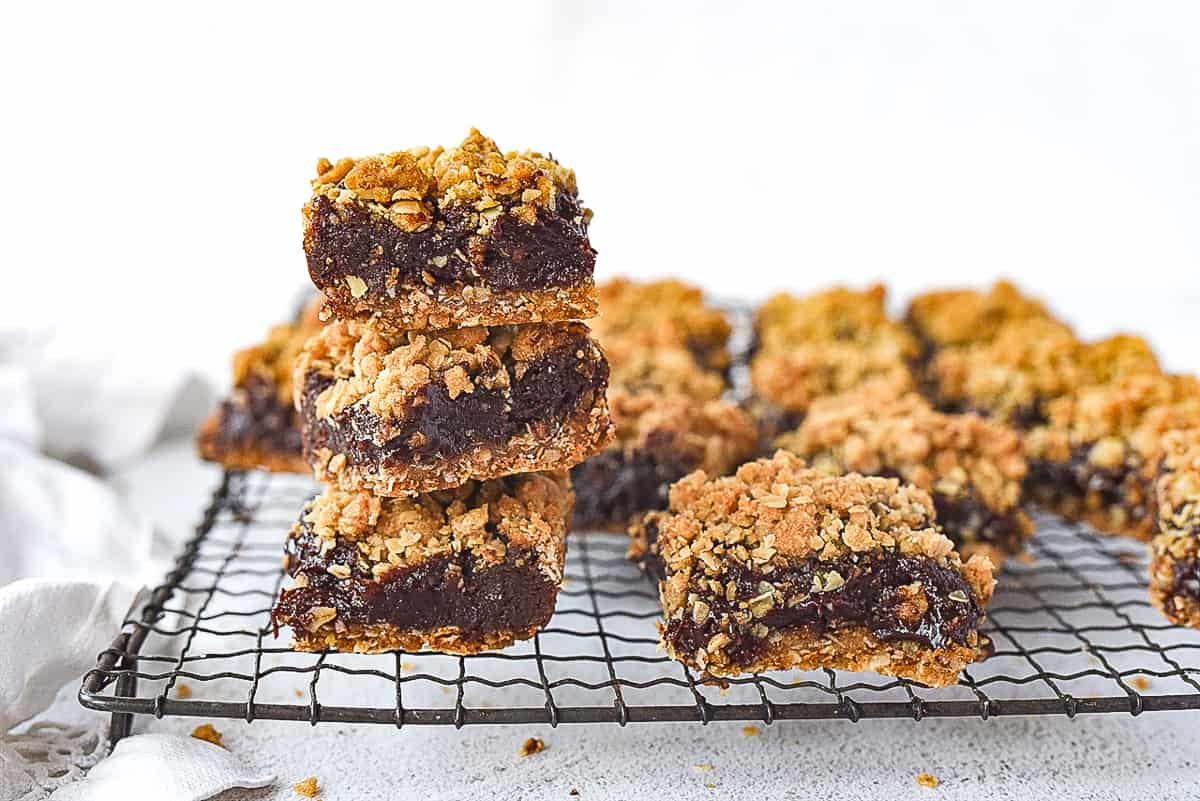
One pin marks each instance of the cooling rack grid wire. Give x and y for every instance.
(1073, 632)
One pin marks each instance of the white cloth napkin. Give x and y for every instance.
(74, 406)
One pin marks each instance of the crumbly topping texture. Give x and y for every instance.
(715, 436)
(1120, 420)
(835, 315)
(385, 369)
(451, 305)
(641, 366)
(792, 378)
(1178, 485)
(659, 313)
(406, 186)
(964, 316)
(272, 359)
(951, 454)
(484, 518)
(1029, 362)
(775, 511)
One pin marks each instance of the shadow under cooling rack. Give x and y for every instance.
(1073, 632)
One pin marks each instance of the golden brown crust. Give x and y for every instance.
(856, 649)
(947, 452)
(835, 315)
(715, 436)
(965, 316)
(483, 518)
(406, 185)
(779, 510)
(383, 368)
(377, 638)
(463, 306)
(792, 378)
(1028, 363)
(661, 313)
(1177, 545)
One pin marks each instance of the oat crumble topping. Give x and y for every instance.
(962, 316)
(406, 186)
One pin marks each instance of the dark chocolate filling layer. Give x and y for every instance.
(550, 390)
(253, 416)
(616, 485)
(552, 252)
(450, 590)
(966, 513)
(871, 597)
(1077, 478)
(1185, 579)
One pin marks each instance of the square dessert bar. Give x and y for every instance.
(780, 567)
(823, 344)
(660, 439)
(967, 316)
(1175, 550)
(439, 238)
(460, 571)
(1097, 457)
(1025, 366)
(394, 412)
(256, 425)
(972, 468)
(662, 313)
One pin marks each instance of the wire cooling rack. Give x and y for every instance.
(1073, 632)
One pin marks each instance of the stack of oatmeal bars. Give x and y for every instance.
(444, 400)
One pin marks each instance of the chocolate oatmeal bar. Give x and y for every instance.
(780, 567)
(835, 315)
(660, 439)
(434, 238)
(1175, 551)
(1096, 458)
(1025, 366)
(394, 412)
(967, 316)
(459, 571)
(972, 468)
(256, 425)
(662, 313)
(823, 344)
(787, 381)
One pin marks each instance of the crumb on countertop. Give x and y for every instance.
(533, 745)
(307, 787)
(751, 731)
(927, 780)
(704, 767)
(207, 733)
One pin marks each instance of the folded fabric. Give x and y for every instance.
(165, 767)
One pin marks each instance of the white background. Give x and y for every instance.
(156, 156)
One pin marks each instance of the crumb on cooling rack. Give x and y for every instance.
(751, 731)
(183, 691)
(1140, 682)
(928, 780)
(206, 732)
(408, 665)
(299, 693)
(307, 787)
(531, 746)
